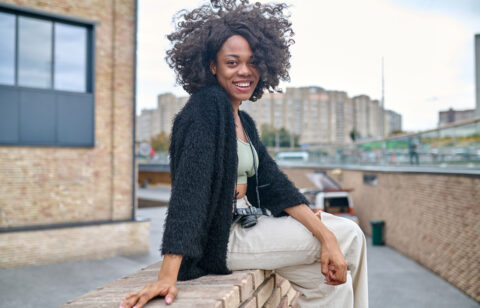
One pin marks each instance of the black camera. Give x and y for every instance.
(247, 221)
(247, 217)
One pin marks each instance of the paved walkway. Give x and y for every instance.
(394, 280)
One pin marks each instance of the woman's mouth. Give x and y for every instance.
(243, 85)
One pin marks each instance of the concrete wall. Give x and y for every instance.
(52, 185)
(432, 218)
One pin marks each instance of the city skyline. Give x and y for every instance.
(427, 47)
(319, 117)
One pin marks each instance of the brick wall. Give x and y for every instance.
(62, 185)
(245, 289)
(432, 218)
(78, 243)
(48, 185)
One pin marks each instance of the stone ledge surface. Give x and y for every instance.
(245, 289)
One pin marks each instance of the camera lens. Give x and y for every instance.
(248, 221)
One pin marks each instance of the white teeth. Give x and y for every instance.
(247, 84)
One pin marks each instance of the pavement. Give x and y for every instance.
(394, 280)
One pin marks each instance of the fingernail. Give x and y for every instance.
(168, 300)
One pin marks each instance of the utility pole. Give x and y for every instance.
(477, 73)
(382, 107)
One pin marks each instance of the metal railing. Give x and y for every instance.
(455, 145)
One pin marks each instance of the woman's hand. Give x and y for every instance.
(334, 266)
(166, 285)
(162, 287)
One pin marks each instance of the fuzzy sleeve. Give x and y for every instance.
(192, 168)
(276, 191)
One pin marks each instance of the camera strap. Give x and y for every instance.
(255, 210)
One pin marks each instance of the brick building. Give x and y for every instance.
(67, 188)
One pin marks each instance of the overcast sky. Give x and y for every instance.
(427, 45)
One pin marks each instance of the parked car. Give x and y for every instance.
(329, 197)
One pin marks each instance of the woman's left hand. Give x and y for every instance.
(334, 266)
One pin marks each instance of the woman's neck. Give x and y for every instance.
(236, 106)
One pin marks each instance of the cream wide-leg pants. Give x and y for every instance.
(283, 244)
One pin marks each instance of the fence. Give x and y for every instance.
(455, 145)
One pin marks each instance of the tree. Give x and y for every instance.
(268, 135)
(161, 142)
(285, 138)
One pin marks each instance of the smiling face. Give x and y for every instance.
(235, 69)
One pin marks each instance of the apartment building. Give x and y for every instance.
(451, 116)
(152, 122)
(393, 122)
(318, 116)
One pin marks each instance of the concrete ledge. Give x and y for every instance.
(25, 248)
(153, 196)
(241, 289)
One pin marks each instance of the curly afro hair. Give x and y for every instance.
(201, 33)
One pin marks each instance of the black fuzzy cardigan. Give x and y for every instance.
(203, 165)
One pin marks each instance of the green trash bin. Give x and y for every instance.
(377, 232)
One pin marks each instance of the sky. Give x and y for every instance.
(427, 47)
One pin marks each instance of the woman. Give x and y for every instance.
(225, 53)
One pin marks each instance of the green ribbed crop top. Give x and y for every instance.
(245, 161)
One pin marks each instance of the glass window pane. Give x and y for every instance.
(70, 57)
(7, 48)
(34, 52)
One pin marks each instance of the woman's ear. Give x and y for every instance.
(213, 68)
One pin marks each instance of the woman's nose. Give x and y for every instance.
(244, 70)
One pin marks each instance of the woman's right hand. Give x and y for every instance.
(162, 287)
(166, 285)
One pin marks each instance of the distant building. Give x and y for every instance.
(393, 122)
(321, 117)
(318, 116)
(451, 115)
(152, 122)
(367, 120)
(146, 122)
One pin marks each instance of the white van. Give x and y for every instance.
(338, 203)
(293, 156)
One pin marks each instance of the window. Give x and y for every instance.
(71, 58)
(7, 48)
(46, 79)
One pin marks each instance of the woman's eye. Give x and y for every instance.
(231, 62)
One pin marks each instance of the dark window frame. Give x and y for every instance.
(88, 95)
